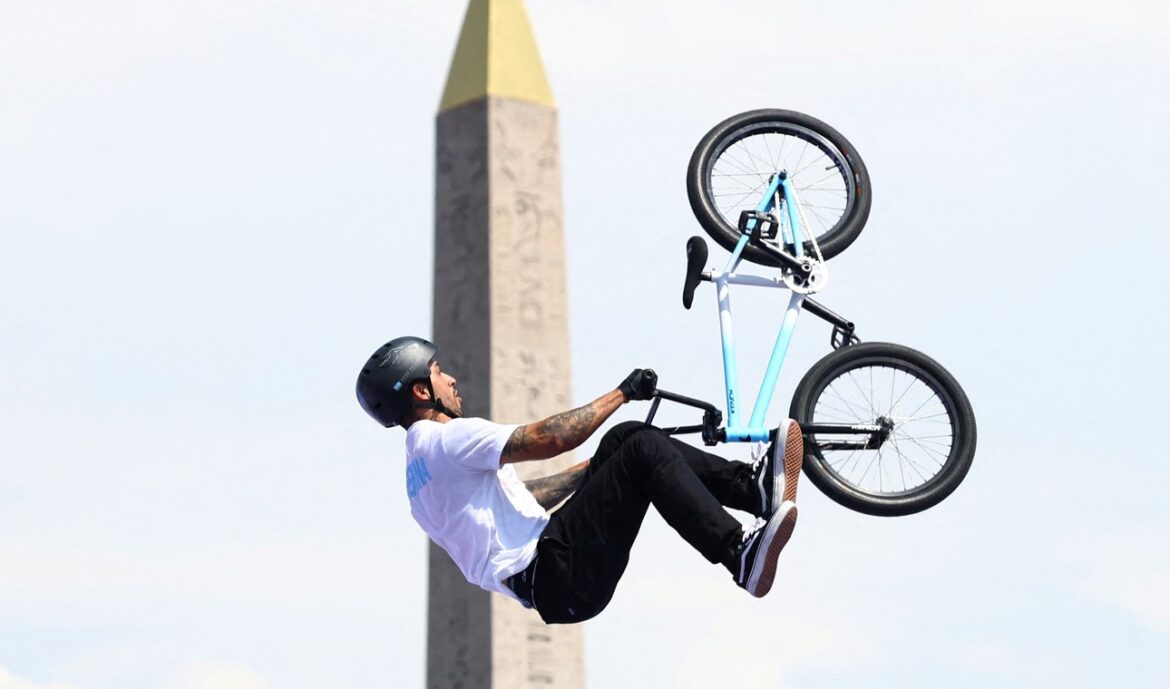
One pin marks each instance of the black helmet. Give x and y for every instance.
(383, 386)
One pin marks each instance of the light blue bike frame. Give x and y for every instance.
(756, 430)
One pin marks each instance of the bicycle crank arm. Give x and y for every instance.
(801, 267)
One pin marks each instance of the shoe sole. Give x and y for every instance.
(775, 536)
(793, 459)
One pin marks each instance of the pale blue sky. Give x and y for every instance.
(212, 211)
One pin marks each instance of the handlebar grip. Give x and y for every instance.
(649, 383)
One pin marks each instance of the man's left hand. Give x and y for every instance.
(639, 385)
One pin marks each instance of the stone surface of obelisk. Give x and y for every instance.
(500, 320)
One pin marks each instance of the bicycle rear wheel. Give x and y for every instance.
(731, 168)
(927, 438)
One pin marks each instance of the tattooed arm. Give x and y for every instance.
(562, 432)
(551, 490)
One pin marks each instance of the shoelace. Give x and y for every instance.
(759, 453)
(758, 466)
(750, 531)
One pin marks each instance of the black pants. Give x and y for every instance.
(586, 546)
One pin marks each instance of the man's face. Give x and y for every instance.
(445, 391)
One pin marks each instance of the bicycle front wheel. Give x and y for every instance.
(888, 430)
(734, 163)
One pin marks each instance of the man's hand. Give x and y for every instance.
(639, 385)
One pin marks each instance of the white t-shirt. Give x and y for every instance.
(480, 513)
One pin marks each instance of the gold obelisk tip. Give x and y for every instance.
(496, 56)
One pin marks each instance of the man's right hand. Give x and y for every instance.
(639, 385)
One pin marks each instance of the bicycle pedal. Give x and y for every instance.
(759, 225)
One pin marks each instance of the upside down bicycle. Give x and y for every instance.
(888, 431)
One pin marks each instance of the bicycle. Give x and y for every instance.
(888, 431)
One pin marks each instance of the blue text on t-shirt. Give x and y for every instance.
(417, 476)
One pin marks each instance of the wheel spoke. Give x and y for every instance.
(725, 191)
(803, 150)
(907, 419)
(732, 169)
(909, 384)
(876, 457)
(845, 461)
(755, 157)
(871, 399)
(924, 403)
(844, 416)
(768, 145)
(740, 195)
(821, 155)
(932, 453)
(902, 461)
(736, 163)
(918, 470)
(858, 386)
(833, 389)
(832, 175)
(893, 384)
(748, 195)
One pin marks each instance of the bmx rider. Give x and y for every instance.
(465, 493)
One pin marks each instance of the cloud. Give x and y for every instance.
(867, 37)
(219, 675)
(1143, 594)
(11, 681)
(1126, 570)
(57, 40)
(62, 41)
(286, 575)
(198, 675)
(697, 614)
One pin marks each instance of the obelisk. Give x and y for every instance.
(500, 320)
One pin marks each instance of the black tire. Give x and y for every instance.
(840, 388)
(837, 215)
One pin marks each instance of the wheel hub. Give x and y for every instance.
(886, 428)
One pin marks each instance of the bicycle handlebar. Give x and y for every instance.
(712, 417)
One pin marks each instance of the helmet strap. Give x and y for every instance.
(434, 403)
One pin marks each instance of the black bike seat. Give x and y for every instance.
(696, 261)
